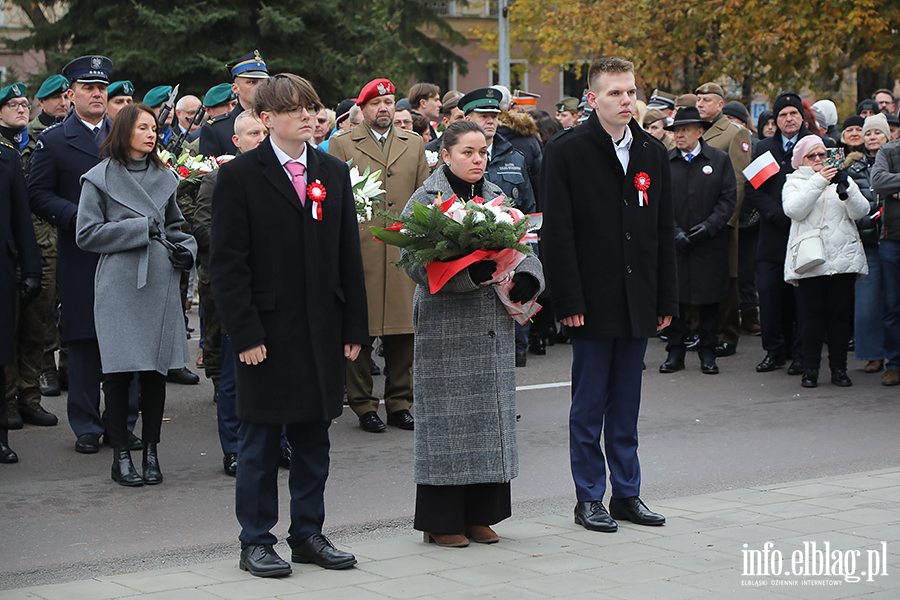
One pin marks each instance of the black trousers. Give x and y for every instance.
(449, 508)
(707, 329)
(152, 404)
(827, 304)
(4, 421)
(780, 312)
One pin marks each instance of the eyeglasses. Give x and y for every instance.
(816, 156)
(298, 113)
(18, 105)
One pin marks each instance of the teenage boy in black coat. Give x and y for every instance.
(287, 276)
(608, 243)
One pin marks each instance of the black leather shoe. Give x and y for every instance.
(284, 457)
(36, 415)
(708, 366)
(184, 376)
(371, 422)
(87, 443)
(13, 418)
(725, 349)
(593, 516)
(633, 509)
(123, 471)
(401, 419)
(7, 455)
(134, 442)
(674, 362)
(810, 378)
(770, 363)
(49, 384)
(839, 377)
(150, 466)
(373, 368)
(538, 346)
(692, 342)
(318, 549)
(521, 359)
(262, 561)
(795, 368)
(229, 461)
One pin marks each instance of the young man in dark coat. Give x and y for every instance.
(287, 276)
(703, 194)
(608, 240)
(19, 250)
(779, 302)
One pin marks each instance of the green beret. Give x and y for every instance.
(55, 84)
(122, 88)
(16, 90)
(157, 95)
(218, 94)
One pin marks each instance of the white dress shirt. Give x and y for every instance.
(284, 158)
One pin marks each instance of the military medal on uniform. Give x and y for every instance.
(642, 183)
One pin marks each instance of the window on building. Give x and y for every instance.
(518, 74)
(574, 79)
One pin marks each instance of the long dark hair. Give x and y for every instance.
(117, 145)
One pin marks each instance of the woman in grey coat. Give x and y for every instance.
(127, 214)
(464, 371)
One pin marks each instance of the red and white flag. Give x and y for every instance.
(761, 169)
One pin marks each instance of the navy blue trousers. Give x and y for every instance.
(226, 404)
(256, 487)
(606, 397)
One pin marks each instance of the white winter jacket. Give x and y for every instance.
(804, 196)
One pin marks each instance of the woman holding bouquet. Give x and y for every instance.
(464, 369)
(129, 216)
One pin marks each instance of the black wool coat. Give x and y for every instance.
(604, 255)
(774, 224)
(63, 154)
(296, 284)
(18, 247)
(703, 193)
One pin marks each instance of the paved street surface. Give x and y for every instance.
(724, 457)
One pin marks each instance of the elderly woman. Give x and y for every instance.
(852, 134)
(127, 214)
(464, 369)
(812, 201)
(869, 304)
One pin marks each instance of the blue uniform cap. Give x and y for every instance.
(120, 88)
(250, 65)
(55, 84)
(89, 69)
(157, 95)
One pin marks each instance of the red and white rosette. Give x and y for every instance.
(642, 184)
(316, 192)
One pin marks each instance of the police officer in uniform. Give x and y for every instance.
(506, 168)
(63, 154)
(120, 94)
(246, 73)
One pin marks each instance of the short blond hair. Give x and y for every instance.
(608, 64)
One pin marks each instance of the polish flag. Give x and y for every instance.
(761, 169)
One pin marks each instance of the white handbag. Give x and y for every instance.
(808, 251)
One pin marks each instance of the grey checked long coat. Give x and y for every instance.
(464, 372)
(137, 309)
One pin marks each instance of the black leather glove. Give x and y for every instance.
(31, 287)
(698, 233)
(155, 232)
(482, 271)
(525, 287)
(840, 179)
(181, 258)
(682, 241)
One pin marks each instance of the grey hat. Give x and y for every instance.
(878, 122)
(737, 110)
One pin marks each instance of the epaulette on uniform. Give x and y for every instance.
(341, 132)
(217, 119)
(54, 126)
(7, 143)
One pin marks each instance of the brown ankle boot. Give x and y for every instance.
(482, 534)
(447, 540)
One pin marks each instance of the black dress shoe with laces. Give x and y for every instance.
(229, 461)
(35, 414)
(633, 509)
(725, 349)
(87, 443)
(795, 368)
(184, 376)
(49, 383)
(839, 377)
(593, 516)
(318, 549)
(7, 455)
(709, 366)
(810, 378)
(674, 362)
(770, 363)
(262, 561)
(401, 419)
(371, 422)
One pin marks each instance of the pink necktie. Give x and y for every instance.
(296, 170)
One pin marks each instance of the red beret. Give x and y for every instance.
(373, 89)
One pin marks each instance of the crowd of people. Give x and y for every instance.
(676, 218)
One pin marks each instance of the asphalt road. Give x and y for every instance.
(65, 519)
